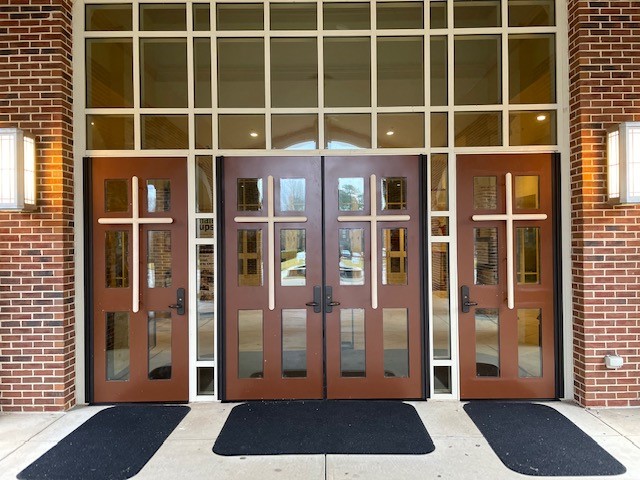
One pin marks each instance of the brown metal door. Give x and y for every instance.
(372, 235)
(275, 295)
(139, 269)
(273, 263)
(506, 276)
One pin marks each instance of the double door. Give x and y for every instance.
(322, 278)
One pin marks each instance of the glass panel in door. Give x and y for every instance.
(353, 351)
(116, 250)
(159, 325)
(158, 258)
(250, 344)
(293, 254)
(396, 342)
(118, 352)
(351, 256)
(294, 343)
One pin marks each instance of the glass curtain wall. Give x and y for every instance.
(320, 75)
(201, 79)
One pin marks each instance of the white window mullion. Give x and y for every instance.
(321, 132)
(451, 164)
(426, 69)
(453, 276)
(450, 77)
(192, 281)
(214, 81)
(429, 249)
(214, 124)
(191, 85)
(505, 72)
(216, 271)
(267, 76)
(427, 142)
(374, 75)
(191, 254)
(137, 66)
(162, 34)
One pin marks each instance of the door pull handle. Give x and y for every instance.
(465, 300)
(317, 298)
(180, 302)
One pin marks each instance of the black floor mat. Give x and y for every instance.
(114, 444)
(322, 427)
(535, 439)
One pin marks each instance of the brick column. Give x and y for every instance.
(37, 318)
(604, 80)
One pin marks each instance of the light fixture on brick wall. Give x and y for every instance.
(17, 170)
(623, 163)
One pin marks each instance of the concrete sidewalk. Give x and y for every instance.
(461, 451)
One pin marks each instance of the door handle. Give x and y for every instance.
(179, 305)
(329, 302)
(317, 298)
(465, 300)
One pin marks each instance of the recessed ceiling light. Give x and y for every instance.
(541, 118)
(254, 134)
(93, 123)
(390, 132)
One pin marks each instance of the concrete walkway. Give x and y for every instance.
(461, 451)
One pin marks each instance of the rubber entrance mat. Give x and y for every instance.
(323, 427)
(535, 439)
(114, 444)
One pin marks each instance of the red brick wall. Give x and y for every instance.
(36, 249)
(604, 76)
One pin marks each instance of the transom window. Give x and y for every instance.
(318, 76)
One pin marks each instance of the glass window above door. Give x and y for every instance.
(322, 75)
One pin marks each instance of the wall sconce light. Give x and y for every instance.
(17, 170)
(623, 163)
